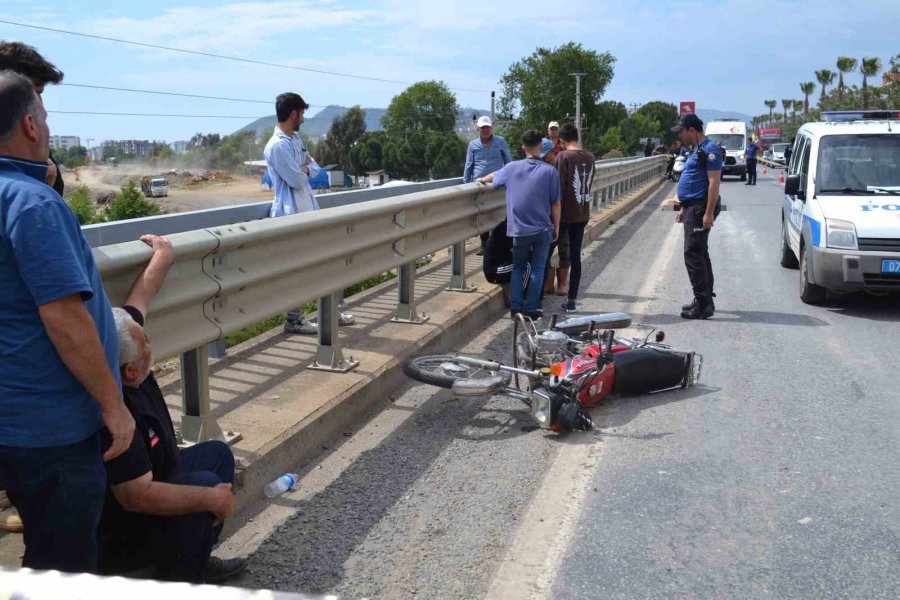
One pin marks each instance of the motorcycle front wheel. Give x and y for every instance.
(443, 370)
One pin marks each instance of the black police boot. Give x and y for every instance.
(701, 309)
(690, 306)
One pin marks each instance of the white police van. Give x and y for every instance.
(841, 213)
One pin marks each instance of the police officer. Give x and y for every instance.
(752, 152)
(698, 193)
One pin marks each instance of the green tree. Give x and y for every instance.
(786, 104)
(130, 204)
(612, 140)
(845, 64)
(826, 78)
(807, 88)
(445, 155)
(343, 134)
(82, 205)
(665, 114)
(634, 128)
(424, 106)
(367, 153)
(770, 104)
(869, 68)
(797, 105)
(540, 87)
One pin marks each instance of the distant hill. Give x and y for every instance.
(318, 124)
(709, 114)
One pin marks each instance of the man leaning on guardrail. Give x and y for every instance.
(290, 167)
(165, 507)
(59, 377)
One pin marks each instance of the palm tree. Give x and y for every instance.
(845, 64)
(771, 104)
(826, 78)
(786, 104)
(807, 88)
(795, 106)
(869, 68)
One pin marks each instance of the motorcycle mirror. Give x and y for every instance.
(660, 337)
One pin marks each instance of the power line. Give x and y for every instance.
(220, 56)
(128, 114)
(180, 94)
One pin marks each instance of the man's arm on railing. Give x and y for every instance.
(149, 282)
(143, 495)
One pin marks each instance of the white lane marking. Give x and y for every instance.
(529, 568)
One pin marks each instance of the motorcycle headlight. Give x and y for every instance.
(841, 234)
(542, 408)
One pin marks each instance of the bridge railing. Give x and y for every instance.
(236, 268)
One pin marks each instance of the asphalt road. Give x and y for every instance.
(777, 477)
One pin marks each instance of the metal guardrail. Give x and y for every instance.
(232, 274)
(27, 584)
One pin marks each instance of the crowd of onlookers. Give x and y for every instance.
(548, 206)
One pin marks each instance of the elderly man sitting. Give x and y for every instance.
(165, 507)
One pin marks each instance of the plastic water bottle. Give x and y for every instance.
(280, 485)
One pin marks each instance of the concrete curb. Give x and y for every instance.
(301, 444)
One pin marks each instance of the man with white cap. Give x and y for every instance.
(486, 154)
(553, 135)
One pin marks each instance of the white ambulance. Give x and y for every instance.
(731, 135)
(841, 215)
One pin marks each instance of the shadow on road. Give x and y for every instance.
(865, 306)
(618, 411)
(737, 316)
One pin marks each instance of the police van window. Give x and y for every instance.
(797, 153)
(855, 164)
(804, 163)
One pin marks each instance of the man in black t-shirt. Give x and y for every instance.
(165, 507)
(497, 264)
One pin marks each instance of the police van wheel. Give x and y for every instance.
(788, 258)
(810, 293)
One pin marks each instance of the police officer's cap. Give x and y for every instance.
(690, 121)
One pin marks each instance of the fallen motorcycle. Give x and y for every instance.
(563, 370)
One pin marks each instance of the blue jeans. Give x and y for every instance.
(530, 250)
(59, 494)
(184, 543)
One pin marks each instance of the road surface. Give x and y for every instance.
(775, 478)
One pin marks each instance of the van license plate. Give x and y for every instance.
(890, 266)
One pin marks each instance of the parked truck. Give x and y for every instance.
(154, 187)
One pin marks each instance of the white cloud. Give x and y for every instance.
(231, 28)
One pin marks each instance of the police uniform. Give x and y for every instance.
(693, 192)
(752, 152)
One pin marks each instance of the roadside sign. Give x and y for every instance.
(687, 108)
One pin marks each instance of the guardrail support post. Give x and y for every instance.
(197, 424)
(406, 297)
(329, 356)
(458, 269)
(217, 349)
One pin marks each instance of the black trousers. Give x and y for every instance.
(751, 171)
(696, 251)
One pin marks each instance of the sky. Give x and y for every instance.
(725, 55)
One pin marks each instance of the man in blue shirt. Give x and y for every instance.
(59, 378)
(698, 193)
(752, 153)
(486, 154)
(532, 220)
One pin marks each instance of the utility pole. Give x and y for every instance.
(578, 77)
(493, 107)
